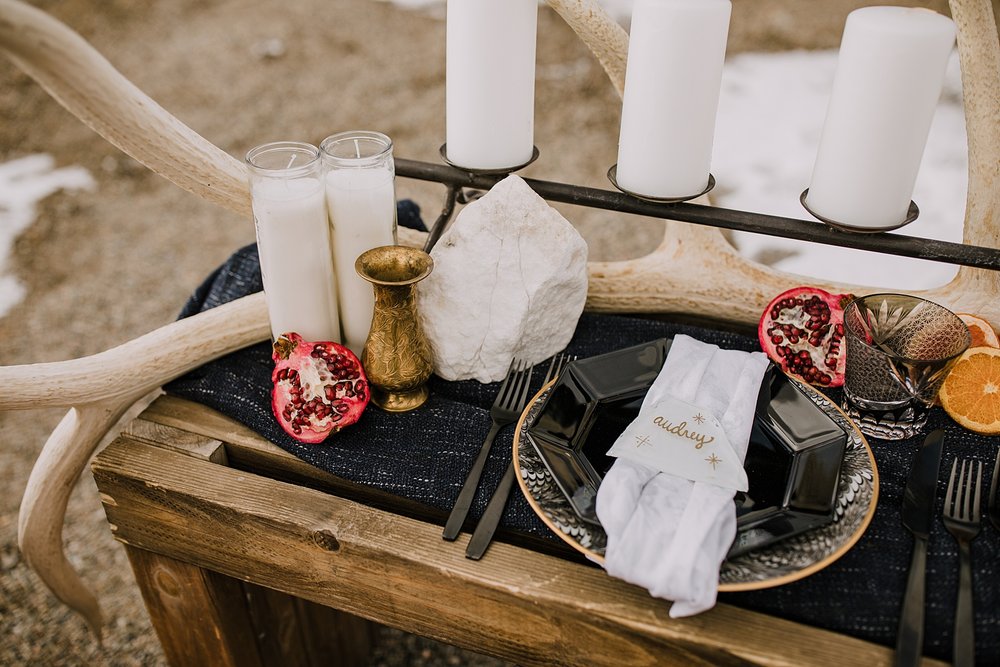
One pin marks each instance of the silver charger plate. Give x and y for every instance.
(783, 562)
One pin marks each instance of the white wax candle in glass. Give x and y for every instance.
(293, 240)
(890, 72)
(361, 201)
(490, 82)
(672, 82)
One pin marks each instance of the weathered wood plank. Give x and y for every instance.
(516, 604)
(276, 628)
(200, 617)
(291, 631)
(334, 636)
(197, 418)
(247, 450)
(186, 442)
(205, 618)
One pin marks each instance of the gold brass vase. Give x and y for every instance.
(397, 357)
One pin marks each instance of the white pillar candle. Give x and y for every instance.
(672, 81)
(889, 76)
(361, 201)
(490, 82)
(293, 240)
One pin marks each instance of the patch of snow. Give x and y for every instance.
(23, 183)
(433, 8)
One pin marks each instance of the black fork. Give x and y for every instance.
(961, 518)
(994, 507)
(506, 409)
(487, 525)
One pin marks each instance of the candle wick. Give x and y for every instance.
(284, 175)
(357, 148)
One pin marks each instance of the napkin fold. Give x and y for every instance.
(669, 534)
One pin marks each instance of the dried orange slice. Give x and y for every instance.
(971, 392)
(982, 332)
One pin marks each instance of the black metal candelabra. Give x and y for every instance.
(458, 180)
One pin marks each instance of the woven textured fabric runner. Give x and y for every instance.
(424, 456)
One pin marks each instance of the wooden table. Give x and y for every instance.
(246, 555)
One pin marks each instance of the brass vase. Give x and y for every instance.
(397, 357)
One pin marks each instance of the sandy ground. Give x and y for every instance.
(104, 267)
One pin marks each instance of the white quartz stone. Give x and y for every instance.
(509, 280)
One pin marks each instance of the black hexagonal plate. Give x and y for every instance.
(793, 460)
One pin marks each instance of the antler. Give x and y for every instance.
(100, 389)
(975, 290)
(699, 273)
(607, 40)
(84, 82)
(694, 269)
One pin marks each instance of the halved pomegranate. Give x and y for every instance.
(319, 388)
(802, 330)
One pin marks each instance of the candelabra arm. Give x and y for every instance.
(437, 229)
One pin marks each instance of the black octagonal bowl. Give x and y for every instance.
(792, 463)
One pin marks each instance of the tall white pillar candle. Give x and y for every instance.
(361, 200)
(889, 76)
(293, 240)
(490, 82)
(672, 81)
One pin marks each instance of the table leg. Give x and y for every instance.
(202, 617)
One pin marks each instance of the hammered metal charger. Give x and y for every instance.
(786, 561)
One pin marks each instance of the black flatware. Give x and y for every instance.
(487, 525)
(918, 516)
(994, 502)
(507, 408)
(961, 518)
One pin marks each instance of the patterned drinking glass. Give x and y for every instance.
(899, 350)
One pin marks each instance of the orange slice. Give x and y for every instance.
(971, 392)
(982, 333)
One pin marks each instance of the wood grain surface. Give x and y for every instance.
(516, 604)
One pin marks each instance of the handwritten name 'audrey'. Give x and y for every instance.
(682, 431)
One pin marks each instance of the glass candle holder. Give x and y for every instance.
(361, 201)
(899, 351)
(293, 239)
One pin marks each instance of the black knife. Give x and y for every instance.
(918, 515)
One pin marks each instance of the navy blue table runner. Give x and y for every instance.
(424, 455)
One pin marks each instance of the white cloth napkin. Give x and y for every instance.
(668, 534)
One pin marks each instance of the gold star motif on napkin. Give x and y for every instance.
(714, 461)
(700, 418)
(641, 440)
